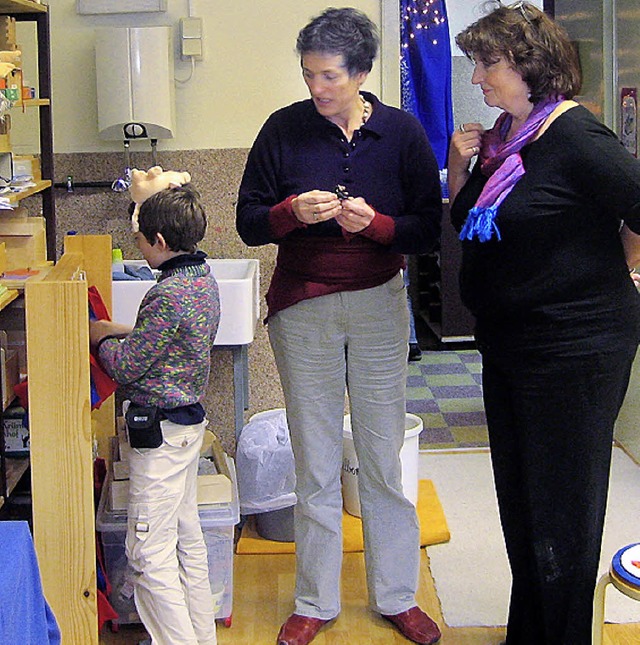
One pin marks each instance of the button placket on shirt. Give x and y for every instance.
(348, 149)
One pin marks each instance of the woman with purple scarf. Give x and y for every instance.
(548, 218)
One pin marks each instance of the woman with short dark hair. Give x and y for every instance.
(546, 216)
(344, 185)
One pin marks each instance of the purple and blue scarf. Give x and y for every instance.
(501, 161)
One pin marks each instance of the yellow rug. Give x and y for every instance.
(433, 528)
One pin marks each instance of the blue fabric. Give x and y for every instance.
(425, 71)
(25, 616)
(481, 223)
(139, 273)
(133, 273)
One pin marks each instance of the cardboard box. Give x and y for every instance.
(6, 168)
(25, 241)
(19, 225)
(16, 436)
(27, 166)
(8, 33)
(5, 142)
(212, 489)
(17, 341)
(5, 132)
(119, 447)
(119, 495)
(9, 374)
(17, 212)
(25, 251)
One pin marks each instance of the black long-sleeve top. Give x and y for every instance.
(558, 279)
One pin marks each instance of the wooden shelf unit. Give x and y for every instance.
(21, 6)
(29, 11)
(63, 428)
(32, 102)
(438, 285)
(39, 186)
(15, 467)
(11, 470)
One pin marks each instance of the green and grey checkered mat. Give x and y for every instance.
(444, 390)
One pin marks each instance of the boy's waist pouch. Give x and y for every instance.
(143, 425)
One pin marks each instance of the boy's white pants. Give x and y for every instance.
(164, 542)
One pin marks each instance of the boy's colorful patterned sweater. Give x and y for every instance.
(165, 360)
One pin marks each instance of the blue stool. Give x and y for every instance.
(624, 575)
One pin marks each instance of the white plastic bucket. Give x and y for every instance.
(267, 413)
(408, 458)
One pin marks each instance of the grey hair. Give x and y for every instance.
(343, 32)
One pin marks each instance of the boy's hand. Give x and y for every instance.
(98, 329)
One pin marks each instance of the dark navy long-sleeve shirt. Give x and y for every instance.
(389, 163)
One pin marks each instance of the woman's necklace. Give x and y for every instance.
(366, 113)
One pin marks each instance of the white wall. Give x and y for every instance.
(249, 68)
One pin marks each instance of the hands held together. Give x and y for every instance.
(352, 213)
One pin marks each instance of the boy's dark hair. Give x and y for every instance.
(177, 214)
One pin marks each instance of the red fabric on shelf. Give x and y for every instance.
(102, 385)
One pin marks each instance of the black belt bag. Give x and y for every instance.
(143, 425)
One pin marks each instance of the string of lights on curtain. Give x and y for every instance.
(425, 70)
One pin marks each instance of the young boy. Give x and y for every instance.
(162, 366)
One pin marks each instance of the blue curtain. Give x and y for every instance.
(425, 70)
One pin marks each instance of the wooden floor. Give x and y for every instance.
(263, 598)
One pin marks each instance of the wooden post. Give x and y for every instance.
(61, 437)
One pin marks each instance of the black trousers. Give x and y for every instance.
(551, 431)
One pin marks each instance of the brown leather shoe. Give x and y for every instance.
(416, 626)
(299, 630)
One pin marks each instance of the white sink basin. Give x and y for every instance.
(239, 284)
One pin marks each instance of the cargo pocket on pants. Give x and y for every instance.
(151, 532)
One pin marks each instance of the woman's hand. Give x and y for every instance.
(465, 144)
(316, 206)
(355, 215)
(631, 245)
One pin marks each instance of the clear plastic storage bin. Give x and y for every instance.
(217, 522)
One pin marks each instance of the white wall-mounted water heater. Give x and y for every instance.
(134, 71)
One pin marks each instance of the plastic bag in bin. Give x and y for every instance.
(265, 465)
